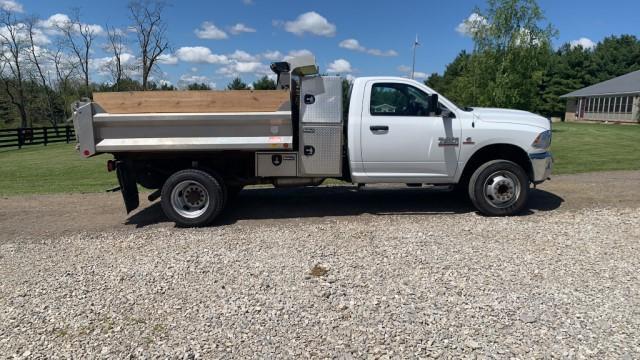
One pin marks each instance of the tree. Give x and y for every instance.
(198, 86)
(457, 81)
(614, 56)
(36, 57)
(117, 47)
(237, 84)
(566, 72)
(80, 38)
(264, 83)
(12, 62)
(512, 47)
(151, 32)
(66, 71)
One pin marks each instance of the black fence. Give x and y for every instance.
(36, 136)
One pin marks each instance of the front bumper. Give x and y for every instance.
(542, 165)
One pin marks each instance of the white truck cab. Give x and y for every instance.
(396, 130)
(393, 137)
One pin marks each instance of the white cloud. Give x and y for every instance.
(56, 21)
(353, 44)
(419, 75)
(243, 56)
(404, 68)
(244, 67)
(301, 52)
(241, 28)
(165, 82)
(200, 54)
(187, 79)
(11, 6)
(340, 66)
(406, 71)
(273, 55)
(21, 32)
(377, 52)
(128, 59)
(586, 43)
(210, 32)
(472, 24)
(168, 59)
(311, 22)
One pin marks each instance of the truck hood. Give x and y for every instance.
(512, 117)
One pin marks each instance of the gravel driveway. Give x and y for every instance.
(381, 273)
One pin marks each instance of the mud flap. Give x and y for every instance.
(128, 186)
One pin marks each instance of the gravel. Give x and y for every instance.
(553, 284)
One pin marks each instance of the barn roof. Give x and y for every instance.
(625, 84)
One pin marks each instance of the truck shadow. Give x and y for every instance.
(277, 204)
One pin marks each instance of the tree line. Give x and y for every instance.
(47, 64)
(513, 64)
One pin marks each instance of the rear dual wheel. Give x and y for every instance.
(193, 198)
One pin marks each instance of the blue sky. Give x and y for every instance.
(209, 46)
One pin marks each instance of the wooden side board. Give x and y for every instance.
(138, 102)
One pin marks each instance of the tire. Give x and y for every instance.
(193, 198)
(499, 188)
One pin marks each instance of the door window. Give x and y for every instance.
(394, 99)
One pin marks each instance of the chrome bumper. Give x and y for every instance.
(542, 165)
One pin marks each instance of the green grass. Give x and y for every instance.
(56, 168)
(60, 169)
(581, 148)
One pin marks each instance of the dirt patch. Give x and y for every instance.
(318, 271)
(36, 216)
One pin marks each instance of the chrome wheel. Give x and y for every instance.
(502, 189)
(190, 199)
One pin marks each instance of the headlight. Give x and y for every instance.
(543, 141)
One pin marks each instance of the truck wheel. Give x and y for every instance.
(192, 198)
(499, 188)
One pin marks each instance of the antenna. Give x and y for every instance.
(416, 43)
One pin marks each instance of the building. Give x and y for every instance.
(615, 100)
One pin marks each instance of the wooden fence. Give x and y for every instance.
(36, 136)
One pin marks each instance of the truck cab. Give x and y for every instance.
(396, 130)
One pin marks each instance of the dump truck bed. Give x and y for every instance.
(184, 121)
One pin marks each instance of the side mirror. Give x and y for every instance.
(434, 109)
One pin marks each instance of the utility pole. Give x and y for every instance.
(416, 43)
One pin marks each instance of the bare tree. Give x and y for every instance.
(37, 56)
(13, 47)
(151, 31)
(80, 38)
(66, 69)
(117, 47)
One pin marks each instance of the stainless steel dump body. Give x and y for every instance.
(114, 133)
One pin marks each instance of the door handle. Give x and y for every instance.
(379, 129)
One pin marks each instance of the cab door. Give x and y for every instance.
(401, 141)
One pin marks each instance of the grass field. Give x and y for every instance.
(52, 169)
(581, 148)
(59, 168)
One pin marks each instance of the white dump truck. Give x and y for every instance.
(198, 149)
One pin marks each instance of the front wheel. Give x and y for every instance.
(499, 188)
(192, 198)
